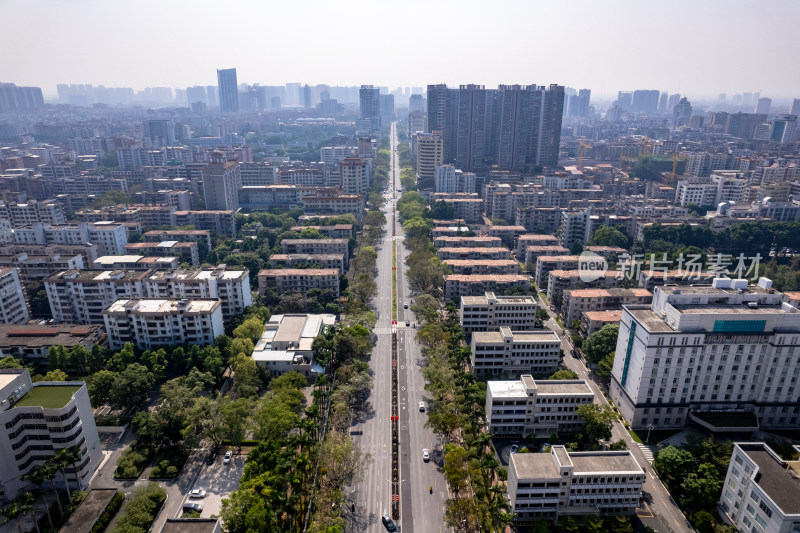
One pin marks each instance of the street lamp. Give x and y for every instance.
(649, 429)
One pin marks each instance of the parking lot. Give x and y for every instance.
(218, 480)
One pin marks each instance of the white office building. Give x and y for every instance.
(149, 323)
(507, 353)
(761, 491)
(39, 420)
(698, 351)
(561, 483)
(491, 312)
(526, 406)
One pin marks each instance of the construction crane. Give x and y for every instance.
(675, 164)
(580, 154)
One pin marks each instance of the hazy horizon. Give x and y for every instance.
(606, 47)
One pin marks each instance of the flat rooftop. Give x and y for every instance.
(534, 466)
(595, 462)
(604, 316)
(506, 389)
(5, 379)
(163, 305)
(650, 320)
(563, 387)
(775, 479)
(48, 396)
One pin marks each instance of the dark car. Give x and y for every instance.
(388, 523)
(210, 458)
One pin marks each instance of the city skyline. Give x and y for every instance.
(552, 41)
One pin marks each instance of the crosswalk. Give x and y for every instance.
(646, 452)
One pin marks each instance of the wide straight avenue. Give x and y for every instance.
(422, 487)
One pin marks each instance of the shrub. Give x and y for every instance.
(142, 509)
(130, 464)
(110, 512)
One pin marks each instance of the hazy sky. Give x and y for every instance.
(697, 47)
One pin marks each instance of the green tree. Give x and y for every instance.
(673, 465)
(601, 343)
(246, 382)
(702, 488)
(38, 476)
(11, 363)
(455, 468)
(564, 374)
(100, 385)
(597, 421)
(131, 386)
(609, 236)
(252, 329)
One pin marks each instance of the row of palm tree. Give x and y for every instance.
(23, 504)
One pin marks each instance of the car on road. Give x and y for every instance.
(421, 405)
(408, 323)
(388, 523)
(574, 354)
(514, 448)
(405, 305)
(228, 457)
(189, 507)
(426, 454)
(198, 493)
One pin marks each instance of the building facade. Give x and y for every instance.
(490, 312)
(507, 353)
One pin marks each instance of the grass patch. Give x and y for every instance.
(635, 436)
(48, 396)
(656, 436)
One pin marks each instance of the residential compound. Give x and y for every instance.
(299, 280)
(537, 408)
(287, 344)
(39, 419)
(576, 302)
(149, 323)
(562, 483)
(490, 312)
(761, 490)
(700, 350)
(80, 296)
(507, 353)
(458, 285)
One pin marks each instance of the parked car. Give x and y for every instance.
(514, 448)
(189, 507)
(228, 457)
(388, 523)
(426, 455)
(198, 493)
(210, 459)
(421, 405)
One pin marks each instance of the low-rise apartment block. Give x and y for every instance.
(32, 342)
(308, 261)
(547, 263)
(449, 241)
(507, 353)
(533, 253)
(298, 280)
(526, 241)
(448, 231)
(491, 312)
(13, 307)
(592, 321)
(468, 209)
(562, 483)
(231, 286)
(507, 234)
(317, 246)
(458, 285)
(483, 266)
(336, 231)
(562, 280)
(79, 296)
(540, 408)
(135, 262)
(39, 420)
(195, 235)
(216, 221)
(474, 253)
(761, 491)
(188, 252)
(149, 323)
(326, 202)
(650, 280)
(36, 267)
(577, 301)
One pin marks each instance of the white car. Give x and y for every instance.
(198, 493)
(426, 455)
(421, 405)
(228, 456)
